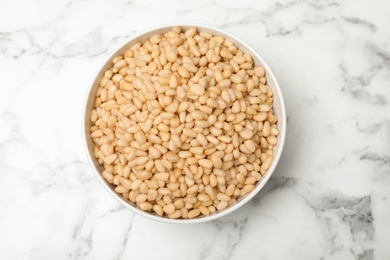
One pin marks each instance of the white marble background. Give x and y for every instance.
(329, 197)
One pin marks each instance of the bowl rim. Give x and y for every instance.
(250, 195)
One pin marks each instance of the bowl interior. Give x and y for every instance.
(278, 106)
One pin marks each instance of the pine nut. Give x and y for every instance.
(169, 209)
(154, 153)
(222, 204)
(192, 189)
(260, 117)
(250, 145)
(225, 53)
(193, 213)
(176, 214)
(164, 191)
(210, 191)
(171, 55)
(264, 108)
(223, 197)
(110, 159)
(162, 176)
(204, 210)
(266, 129)
(189, 132)
(205, 163)
(246, 134)
(146, 206)
(152, 195)
(217, 162)
(158, 209)
(236, 78)
(230, 189)
(248, 188)
(267, 163)
(196, 150)
(259, 71)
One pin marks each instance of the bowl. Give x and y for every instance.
(278, 107)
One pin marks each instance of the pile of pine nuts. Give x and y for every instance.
(183, 124)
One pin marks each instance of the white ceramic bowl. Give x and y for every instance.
(278, 106)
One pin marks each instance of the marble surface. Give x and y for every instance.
(329, 198)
